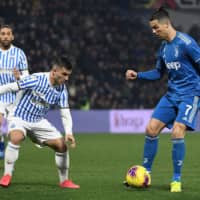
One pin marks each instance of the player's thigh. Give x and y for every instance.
(187, 112)
(44, 131)
(165, 112)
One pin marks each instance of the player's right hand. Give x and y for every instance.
(131, 74)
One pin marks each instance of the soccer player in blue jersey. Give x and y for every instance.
(13, 65)
(179, 56)
(41, 91)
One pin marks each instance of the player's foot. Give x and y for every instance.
(5, 180)
(175, 186)
(69, 184)
(38, 146)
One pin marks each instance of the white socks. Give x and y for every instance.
(62, 163)
(11, 155)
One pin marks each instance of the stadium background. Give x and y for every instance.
(103, 38)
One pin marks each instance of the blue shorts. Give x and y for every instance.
(169, 110)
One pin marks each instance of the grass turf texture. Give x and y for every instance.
(99, 165)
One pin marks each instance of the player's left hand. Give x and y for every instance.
(70, 138)
(16, 73)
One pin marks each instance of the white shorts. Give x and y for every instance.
(39, 132)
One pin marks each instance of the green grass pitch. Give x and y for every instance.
(99, 164)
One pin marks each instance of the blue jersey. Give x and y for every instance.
(38, 97)
(181, 58)
(9, 59)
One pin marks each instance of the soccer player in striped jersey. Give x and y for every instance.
(41, 92)
(13, 65)
(179, 56)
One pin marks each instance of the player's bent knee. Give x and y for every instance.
(58, 145)
(151, 131)
(178, 131)
(16, 136)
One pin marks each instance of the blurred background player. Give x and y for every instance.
(41, 91)
(179, 56)
(13, 65)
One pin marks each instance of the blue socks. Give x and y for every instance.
(178, 154)
(150, 150)
(2, 147)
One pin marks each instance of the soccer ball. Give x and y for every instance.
(138, 176)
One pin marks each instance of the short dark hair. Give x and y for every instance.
(6, 26)
(160, 14)
(63, 61)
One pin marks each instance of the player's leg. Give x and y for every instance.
(163, 115)
(178, 154)
(62, 162)
(2, 140)
(151, 142)
(187, 112)
(50, 136)
(16, 136)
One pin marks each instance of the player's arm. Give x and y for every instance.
(10, 87)
(67, 124)
(21, 70)
(29, 82)
(154, 74)
(20, 74)
(193, 50)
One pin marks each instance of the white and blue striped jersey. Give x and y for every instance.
(12, 58)
(38, 97)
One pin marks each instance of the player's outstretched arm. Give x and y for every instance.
(10, 87)
(20, 74)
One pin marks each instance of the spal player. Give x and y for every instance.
(179, 56)
(41, 91)
(13, 65)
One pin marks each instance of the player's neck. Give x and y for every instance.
(4, 48)
(171, 34)
(52, 79)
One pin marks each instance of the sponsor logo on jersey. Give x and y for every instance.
(173, 65)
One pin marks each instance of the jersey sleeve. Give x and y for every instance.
(156, 73)
(63, 103)
(28, 82)
(193, 50)
(23, 64)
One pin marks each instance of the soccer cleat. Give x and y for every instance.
(126, 184)
(69, 184)
(5, 180)
(175, 186)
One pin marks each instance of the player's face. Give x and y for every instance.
(160, 29)
(61, 75)
(6, 38)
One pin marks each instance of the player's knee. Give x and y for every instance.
(178, 131)
(151, 130)
(61, 147)
(16, 137)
